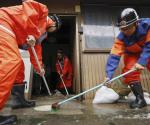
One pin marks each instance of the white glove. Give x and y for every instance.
(31, 40)
(41, 73)
(138, 66)
(106, 80)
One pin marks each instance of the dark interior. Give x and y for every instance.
(62, 39)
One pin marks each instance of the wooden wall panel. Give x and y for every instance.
(93, 72)
(6, 3)
(76, 61)
(61, 6)
(145, 78)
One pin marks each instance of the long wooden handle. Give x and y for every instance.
(39, 66)
(98, 86)
(62, 78)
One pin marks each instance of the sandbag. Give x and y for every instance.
(131, 97)
(105, 95)
(120, 88)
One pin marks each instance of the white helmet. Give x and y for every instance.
(128, 16)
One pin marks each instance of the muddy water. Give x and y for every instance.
(77, 113)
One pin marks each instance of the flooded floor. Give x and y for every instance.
(80, 113)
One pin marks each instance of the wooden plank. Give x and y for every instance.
(61, 7)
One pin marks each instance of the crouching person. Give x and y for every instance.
(133, 43)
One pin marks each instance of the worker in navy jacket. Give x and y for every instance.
(133, 43)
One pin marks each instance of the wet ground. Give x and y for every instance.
(81, 113)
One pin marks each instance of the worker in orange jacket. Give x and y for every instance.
(18, 100)
(20, 26)
(64, 70)
(133, 43)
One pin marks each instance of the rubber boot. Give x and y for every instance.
(138, 92)
(18, 98)
(8, 120)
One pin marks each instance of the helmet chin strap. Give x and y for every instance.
(121, 26)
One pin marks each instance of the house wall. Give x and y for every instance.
(61, 6)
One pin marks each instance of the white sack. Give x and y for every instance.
(105, 95)
(131, 97)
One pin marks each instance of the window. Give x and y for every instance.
(99, 27)
(99, 30)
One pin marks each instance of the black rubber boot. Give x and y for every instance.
(18, 98)
(8, 120)
(138, 92)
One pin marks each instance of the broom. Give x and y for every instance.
(57, 104)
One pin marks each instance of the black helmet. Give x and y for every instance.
(128, 16)
(60, 51)
(57, 20)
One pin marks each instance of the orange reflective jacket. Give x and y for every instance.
(30, 18)
(66, 71)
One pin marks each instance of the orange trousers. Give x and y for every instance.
(10, 62)
(20, 76)
(129, 62)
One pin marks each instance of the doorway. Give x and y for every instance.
(63, 39)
